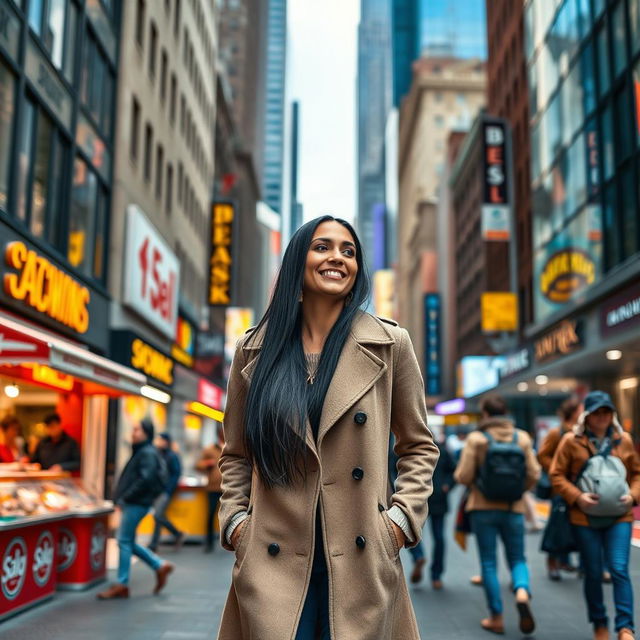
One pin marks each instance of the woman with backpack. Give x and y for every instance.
(499, 465)
(314, 392)
(569, 413)
(597, 471)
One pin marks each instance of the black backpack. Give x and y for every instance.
(161, 480)
(503, 474)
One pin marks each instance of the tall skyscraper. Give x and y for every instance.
(273, 161)
(453, 28)
(373, 105)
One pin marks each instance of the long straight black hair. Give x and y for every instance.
(279, 399)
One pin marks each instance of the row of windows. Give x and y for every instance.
(192, 284)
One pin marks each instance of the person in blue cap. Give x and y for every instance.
(597, 471)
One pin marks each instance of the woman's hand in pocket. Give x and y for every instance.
(399, 534)
(235, 536)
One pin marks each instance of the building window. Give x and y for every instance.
(40, 179)
(159, 168)
(169, 196)
(619, 38)
(135, 129)
(636, 84)
(163, 76)
(97, 86)
(182, 113)
(140, 10)
(7, 113)
(82, 218)
(172, 100)
(153, 44)
(179, 182)
(148, 146)
(603, 60)
(176, 19)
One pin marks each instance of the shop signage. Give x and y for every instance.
(184, 348)
(450, 407)
(67, 548)
(515, 362)
(560, 341)
(566, 272)
(98, 542)
(433, 364)
(47, 375)
(210, 352)
(46, 288)
(477, 374)
(132, 351)
(209, 394)
(151, 274)
(496, 211)
(9, 29)
(221, 260)
(44, 77)
(236, 322)
(621, 312)
(14, 568)
(43, 558)
(499, 311)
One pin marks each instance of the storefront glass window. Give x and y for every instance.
(24, 159)
(619, 39)
(7, 110)
(82, 217)
(611, 228)
(606, 127)
(603, 61)
(40, 182)
(588, 79)
(629, 212)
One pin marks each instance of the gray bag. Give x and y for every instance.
(606, 476)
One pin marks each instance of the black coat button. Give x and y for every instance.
(360, 417)
(381, 508)
(274, 549)
(361, 542)
(357, 473)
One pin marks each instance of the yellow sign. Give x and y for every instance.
(151, 362)
(46, 288)
(383, 292)
(566, 272)
(220, 264)
(499, 311)
(47, 375)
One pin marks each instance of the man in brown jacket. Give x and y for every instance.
(492, 518)
(208, 464)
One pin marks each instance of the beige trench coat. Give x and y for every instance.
(377, 387)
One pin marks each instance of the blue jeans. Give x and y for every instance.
(610, 545)
(487, 526)
(314, 620)
(131, 516)
(437, 531)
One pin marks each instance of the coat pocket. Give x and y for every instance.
(389, 537)
(242, 540)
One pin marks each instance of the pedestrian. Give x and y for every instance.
(164, 444)
(208, 464)
(499, 465)
(438, 508)
(314, 391)
(569, 413)
(141, 481)
(601, 506)
(11, 443)
(57, 451)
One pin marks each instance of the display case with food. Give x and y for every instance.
(53, 533)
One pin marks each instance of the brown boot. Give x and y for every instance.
(601, 633)
(527, 623)
(161, 576)
(494, 624)
(115, 591)
(626, 634)
(416, 574)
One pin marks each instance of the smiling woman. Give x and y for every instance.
(314, 392)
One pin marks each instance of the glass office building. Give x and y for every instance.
(583, 62)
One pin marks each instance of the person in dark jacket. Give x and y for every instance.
(57, 451)
(164, 444)
(140, 483)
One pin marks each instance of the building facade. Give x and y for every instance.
(445, 95)
(374, 99)
(274, 112)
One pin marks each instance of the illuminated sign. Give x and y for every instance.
(515, 362)
(221, 254)
(152, 274)
(450, 407)
(45, 288)
(496, 212)
(566, 272)
(560, 341)
(621, 312)
(47, 375)
(499, 311)
(184, 347)
(210, 394)
(132, 351)
(432, 346)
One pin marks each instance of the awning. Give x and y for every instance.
(20, 343)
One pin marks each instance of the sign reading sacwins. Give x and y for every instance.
(221, 254)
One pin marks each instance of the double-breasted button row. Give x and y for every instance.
(274, 549)
(357, 473)
(360, 418)
(361, 542)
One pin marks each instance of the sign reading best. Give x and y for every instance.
(151, 275)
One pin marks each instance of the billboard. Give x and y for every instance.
(221, 261)
(496, 206)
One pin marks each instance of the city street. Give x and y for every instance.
(190, 607)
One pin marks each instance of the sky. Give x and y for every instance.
(322, 56)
